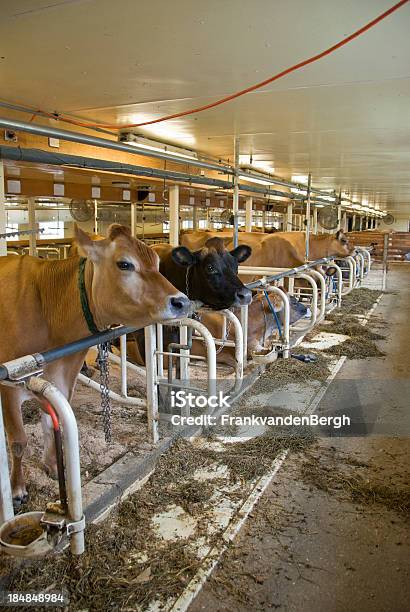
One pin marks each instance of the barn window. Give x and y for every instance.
(52, 229)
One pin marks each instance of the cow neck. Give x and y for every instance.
(57, 287)
(85, 303)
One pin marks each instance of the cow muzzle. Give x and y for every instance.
(243, 297)
(178, 306)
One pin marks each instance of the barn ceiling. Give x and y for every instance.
(346, 118)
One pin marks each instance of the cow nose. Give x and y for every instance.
(244, 296)
(179, 305)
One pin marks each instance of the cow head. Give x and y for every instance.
(212, 274)
(127, 287)
(340, 245)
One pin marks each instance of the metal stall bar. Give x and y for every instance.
(6, 501)
(244, 324)
(238, 342)
(76, 522)
(351, 265)
(360, 256)
(314, 317)
(152, 381)
(124, 399)
(339, 284)
(210, 347)
(265, 358)
(322, 283)
(274, 274)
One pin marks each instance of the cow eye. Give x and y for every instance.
(125, 265)
(210, 268)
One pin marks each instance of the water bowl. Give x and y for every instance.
(25, 536)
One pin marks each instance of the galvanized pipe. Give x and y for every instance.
(308, 218)
(6, 501)
(95, 141)
(128, 401)
(64, 159)
(71, 449)
(235, 199)
(286, 323)
(318, 276)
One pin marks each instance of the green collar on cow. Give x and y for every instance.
(85, 305)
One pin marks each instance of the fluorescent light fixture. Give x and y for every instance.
(251, 179)
(299, 178)
(298, 191)
(153, 145)
(327, 198)
(248, 160)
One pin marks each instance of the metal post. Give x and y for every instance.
(174, 215)
(184, 361)
(344, 221)
(194, 217)
(315, 210)
(31, 206)
(263, 218)
(244, 324)
(248, 215)
(339, 210)
(123, 357)
(289, 224)
(133, 218)
(385, 262)
(235, 205)
(152, 387)
(71, 453)
(95, 217)
(3, 242)
(6, 502)
(308, 217)
(160, 348)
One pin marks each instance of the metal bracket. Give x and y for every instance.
(22, 368)
(76, 526)
(56, 520)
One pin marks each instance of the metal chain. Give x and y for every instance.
(103, 364)
(224, 340)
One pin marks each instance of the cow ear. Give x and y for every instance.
(241, 253)
(339, 234)
(116, 229)
(183, 256)
(92, 249)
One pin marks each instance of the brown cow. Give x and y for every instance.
(41, 309)
(73, 250)
(262, 327)
(279, 250)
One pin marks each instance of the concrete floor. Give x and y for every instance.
(304, 549)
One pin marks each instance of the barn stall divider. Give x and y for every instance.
(65, 519)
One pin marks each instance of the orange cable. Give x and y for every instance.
(277, 76)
